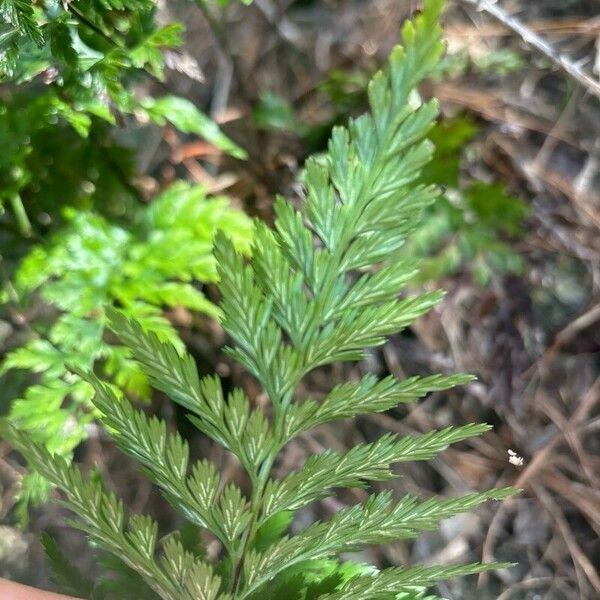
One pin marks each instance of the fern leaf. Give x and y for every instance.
(363, 463)
(246, 433)
(98, 513)
(168, 371)
(369, 395)
(360, 205)
(20, 14)
(376, 521)
(165, 459)
(393, 580)
(321, 286)
(179, 576)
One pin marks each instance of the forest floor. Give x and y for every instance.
(531, 337)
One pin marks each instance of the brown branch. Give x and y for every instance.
(533, 40)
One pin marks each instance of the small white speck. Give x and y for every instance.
(515, 459)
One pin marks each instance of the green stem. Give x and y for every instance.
(21, 215)
(258, 492)
(95, 28)
(250, 532)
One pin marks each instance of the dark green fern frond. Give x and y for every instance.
(323, 285)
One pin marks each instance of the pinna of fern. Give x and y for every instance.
(321, 286)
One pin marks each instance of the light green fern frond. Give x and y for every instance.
(93, 264)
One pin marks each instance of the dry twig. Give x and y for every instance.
(580, 559)
(539, 462)
(533, 40)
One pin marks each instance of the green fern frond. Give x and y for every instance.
(377, 521)
(93, 264)
(362, 464)
(389, 581)
(164, 457)
(360, 204)
(321, 286)
(369, 395)
(20, 14)
(101, 516)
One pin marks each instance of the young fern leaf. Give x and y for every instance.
(320, 287)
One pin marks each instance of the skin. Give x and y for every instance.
(15, 591)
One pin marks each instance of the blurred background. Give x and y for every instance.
(514, 240)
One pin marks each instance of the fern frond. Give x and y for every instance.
(101, 516)
(92, 263)
(321, 286)
(376, 521)
(165, 459)
(369, 395)
(361, 202)
(363, 463)
(20, 14)
(231, 423)
(168, 370)
(389, 581)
